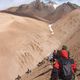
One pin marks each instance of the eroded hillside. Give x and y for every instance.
(67, 31)
(24, 41)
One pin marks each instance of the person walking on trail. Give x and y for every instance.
(55, 54)
(64, 68)
(74, 68)
(68, 66)
(55, 71)
(64, 47)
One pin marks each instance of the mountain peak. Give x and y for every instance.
(52, 3)
(50, 11)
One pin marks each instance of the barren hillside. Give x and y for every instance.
(24, 41)
(67, 31)
(61, 11)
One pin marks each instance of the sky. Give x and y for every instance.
(4, 4)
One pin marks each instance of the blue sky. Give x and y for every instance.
(73, 1)
(9, 3)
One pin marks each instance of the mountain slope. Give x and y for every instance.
(24, 41)
(43, 11)
(69, 28)
(61, 11)
(67, 31)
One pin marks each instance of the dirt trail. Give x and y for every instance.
(42, 72)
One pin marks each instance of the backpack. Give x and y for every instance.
(66, 69)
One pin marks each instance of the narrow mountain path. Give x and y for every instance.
(42, 72)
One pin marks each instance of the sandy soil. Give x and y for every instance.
(24, 41)
(67, 30)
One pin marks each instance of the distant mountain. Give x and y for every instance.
(32, 10)
(61, 11)
(42, 11)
